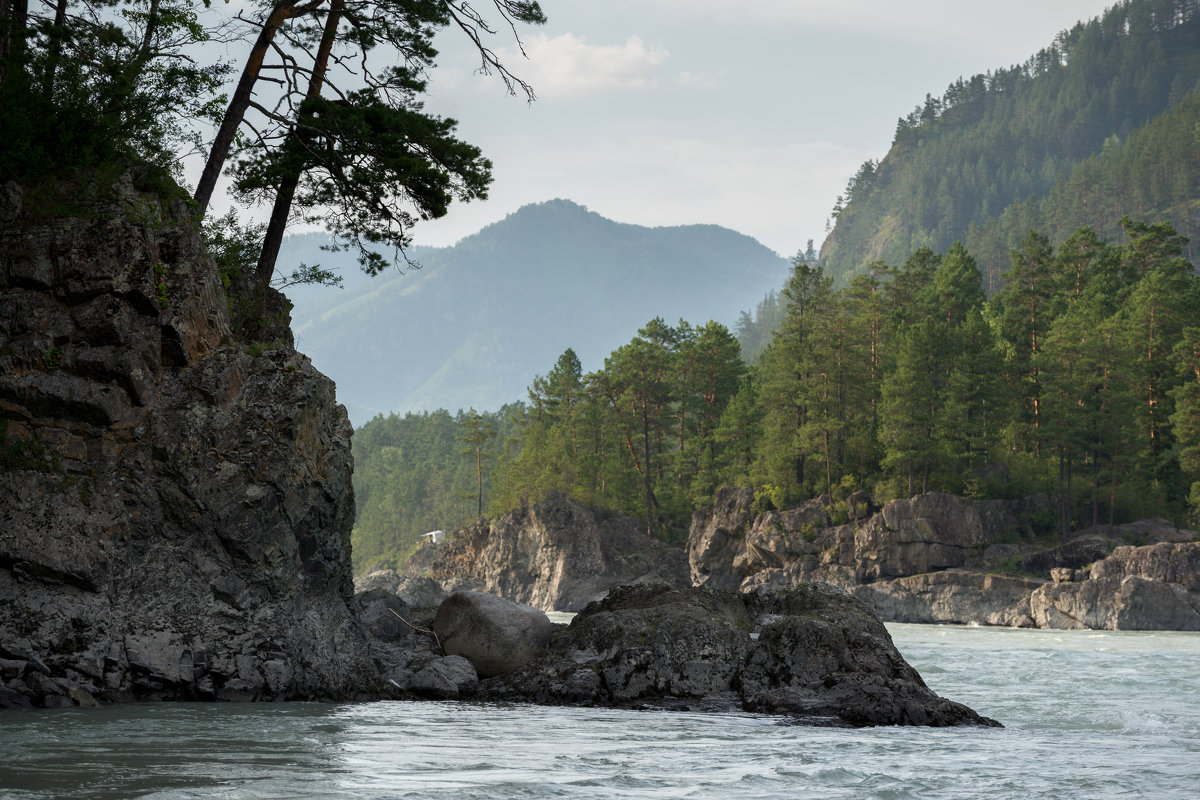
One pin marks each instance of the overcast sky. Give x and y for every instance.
(751, 114)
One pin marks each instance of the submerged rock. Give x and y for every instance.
(813, 653)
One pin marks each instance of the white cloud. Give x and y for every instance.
(567, 66)
(695, 80)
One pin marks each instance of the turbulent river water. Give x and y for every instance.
(1087, 714)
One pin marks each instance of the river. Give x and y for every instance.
(1088, 714)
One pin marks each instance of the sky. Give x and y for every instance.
(752, 115)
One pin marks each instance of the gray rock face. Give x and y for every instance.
(729, 545)
(445, 678)
(818, 655)
(415, 591)
(555, 556)
(175, 510)
(931, 558)
(1074, 554)
(496, 635)
(1156, 587)
(954, 597)
(403, 645)
(717, 538)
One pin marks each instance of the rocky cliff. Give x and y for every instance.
(555, 555)
(936, 558)
(175, 503)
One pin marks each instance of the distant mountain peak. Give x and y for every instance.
(496, 309)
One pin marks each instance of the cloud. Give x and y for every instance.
(567, 66)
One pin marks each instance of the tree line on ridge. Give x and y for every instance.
(1079, 378)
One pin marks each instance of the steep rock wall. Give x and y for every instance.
(555, 555)
(175, 507)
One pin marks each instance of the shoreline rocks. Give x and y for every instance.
(495, 635)
(935, 558)
(815, 654)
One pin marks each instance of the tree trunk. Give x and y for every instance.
(14, 19)
(236, 112)
(479, 480)
(55, 49)
(646, 471)
(287, 185)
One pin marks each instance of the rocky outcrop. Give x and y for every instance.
(933, 558)
(729, 544)
(175, 504)
(814, 653)
(406, 652)
(415, 591)
(555, 555)
(1156, 587)
(953, 597)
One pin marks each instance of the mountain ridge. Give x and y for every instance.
(480, 319)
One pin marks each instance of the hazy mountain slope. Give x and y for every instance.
(1151, 176)
(1013, 134)
(482, 318)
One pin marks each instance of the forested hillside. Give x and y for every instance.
(1080, 379)
(1006, 306)
(475, 324)
(418, 473)
(1154, 174)
(1017, 135)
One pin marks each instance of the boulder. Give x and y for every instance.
(815, 653)
(401, 644)
(1156, 587)
(555, 555)
(496, 635)
(445, 678)
(1177, 563)
(416, 591)
(1131, 603)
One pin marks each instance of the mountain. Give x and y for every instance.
(479, 320)
(1013, 135)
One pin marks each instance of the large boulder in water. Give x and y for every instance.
(496, 635)
(814, 653)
